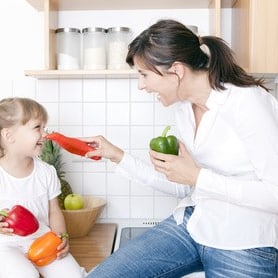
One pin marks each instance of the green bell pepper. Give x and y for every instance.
(163, 144)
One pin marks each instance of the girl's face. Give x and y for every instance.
(28, 139)
(165, 86)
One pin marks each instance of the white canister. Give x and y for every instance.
(94, 48)
(193, 28)
(118, 41)
(68, 47)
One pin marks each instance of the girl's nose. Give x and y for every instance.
(44, 131)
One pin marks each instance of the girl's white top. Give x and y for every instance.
(236, 146)
(32, 192)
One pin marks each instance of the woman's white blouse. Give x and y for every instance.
(236, 146)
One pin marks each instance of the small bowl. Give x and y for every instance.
(80, 222)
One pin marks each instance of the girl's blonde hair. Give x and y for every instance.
(18, 110)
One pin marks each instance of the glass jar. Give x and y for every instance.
(193, 28)
(68, 47)
(118, 41)
(94, 48)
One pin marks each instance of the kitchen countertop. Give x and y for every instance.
(95, 247)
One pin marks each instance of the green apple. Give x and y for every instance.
(73, 202)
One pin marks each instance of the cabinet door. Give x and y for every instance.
(255, 35)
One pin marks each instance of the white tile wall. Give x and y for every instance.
(117, 110)
(113, 107)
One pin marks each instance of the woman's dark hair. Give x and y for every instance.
(169, 41)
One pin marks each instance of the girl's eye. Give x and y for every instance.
(39, 126)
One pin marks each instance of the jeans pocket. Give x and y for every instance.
(268, 253)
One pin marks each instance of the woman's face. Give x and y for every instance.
(165, 86)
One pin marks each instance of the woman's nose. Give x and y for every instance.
(141, 85)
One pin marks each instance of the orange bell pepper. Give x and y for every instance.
(43, 250)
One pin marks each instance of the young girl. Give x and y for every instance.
(26, 180)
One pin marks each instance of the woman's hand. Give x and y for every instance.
(63, 248)
(104, 148)
(180, 169)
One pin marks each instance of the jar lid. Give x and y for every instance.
(118, 29)
(66, 30)
(93, 29)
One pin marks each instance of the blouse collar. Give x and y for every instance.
(217, 98)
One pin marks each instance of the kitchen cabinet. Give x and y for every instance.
(255, 35)
(51, 10)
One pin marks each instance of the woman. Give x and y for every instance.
(226, 224)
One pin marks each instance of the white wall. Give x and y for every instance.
(112, 107)
(21, 38)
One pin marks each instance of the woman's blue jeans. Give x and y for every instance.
(167, 250)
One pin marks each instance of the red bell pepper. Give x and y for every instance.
(43, 250)
(72, 145)
(21, 220)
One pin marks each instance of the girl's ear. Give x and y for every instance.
(178, 68)
(7, 135)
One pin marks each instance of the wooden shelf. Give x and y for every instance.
(128, 5)
(51, 10)
(81, 74)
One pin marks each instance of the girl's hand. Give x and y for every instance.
(4, 226)
(104, 148)
(4, 229)
(180, 169)
(63, 248)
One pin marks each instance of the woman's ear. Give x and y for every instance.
(178, 68)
